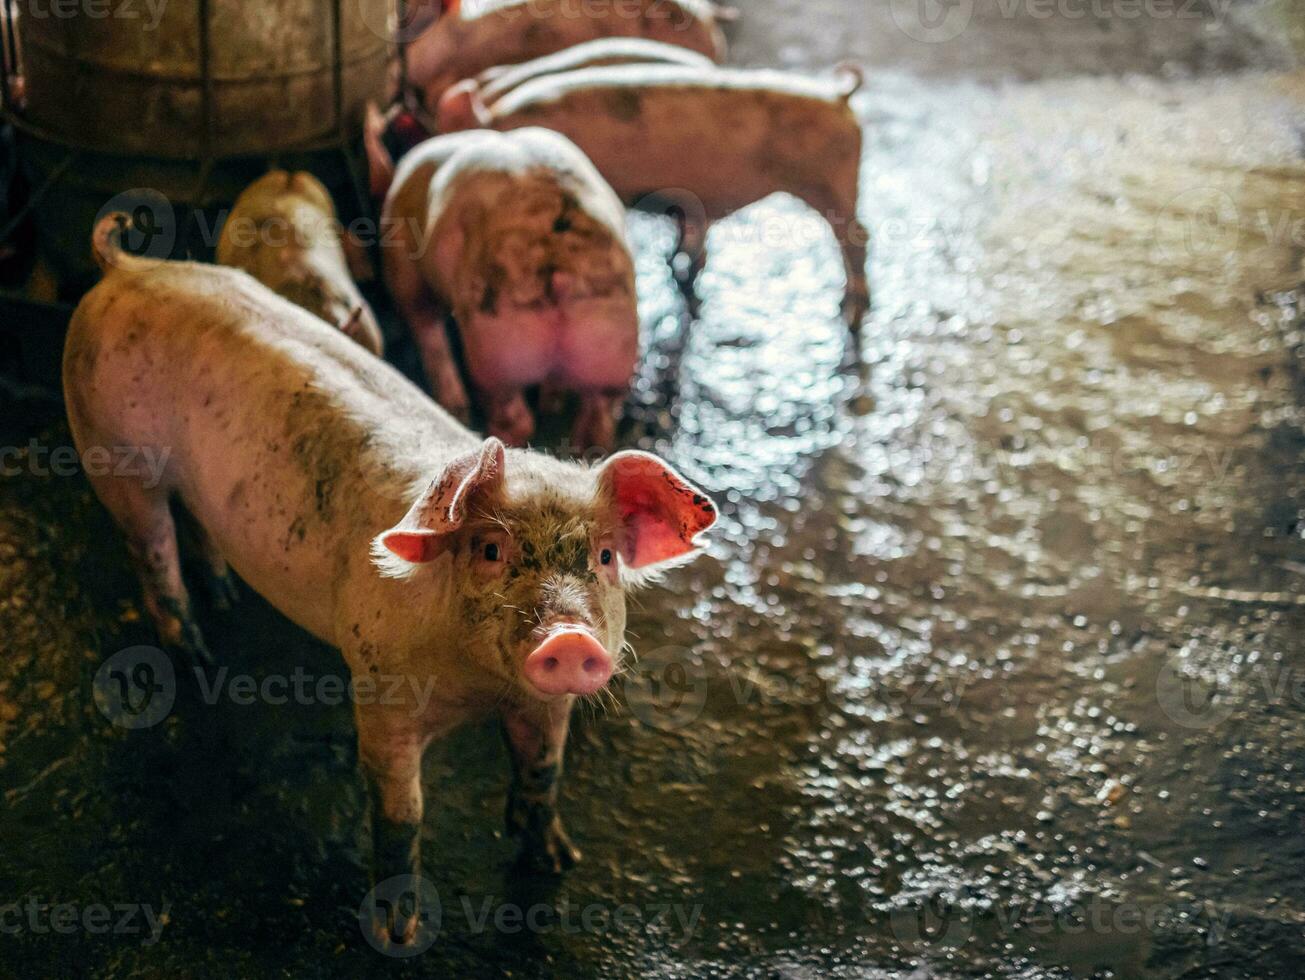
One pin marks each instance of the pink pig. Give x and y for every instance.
(491, 579)
(463, 43)
(523, 243)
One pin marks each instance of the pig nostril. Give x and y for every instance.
(590, 665)
(550, 664)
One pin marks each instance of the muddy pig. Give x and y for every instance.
(523, 243)
(456, 111)
(486, 580)
(702, 143)
(464, 43)
(284, 232)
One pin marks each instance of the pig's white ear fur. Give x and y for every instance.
(423, 534)
(661, 513)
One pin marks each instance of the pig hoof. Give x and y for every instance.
(193, 647)
(223, 590)
(855, 306)
(394, 933)
(180, 634)
(551, 855)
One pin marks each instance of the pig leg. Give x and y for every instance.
(690, 257)
(536, 747)
(427, 317)
(836, 203)
(390, 757)
(220, 582)
(508, 416)
(552, 398)
(151, 535)
(430, 329)
(595, 423)
(853, 239)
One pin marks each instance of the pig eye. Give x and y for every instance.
(492, 552)
(605, 556)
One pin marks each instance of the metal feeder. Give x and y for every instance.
(191, 108)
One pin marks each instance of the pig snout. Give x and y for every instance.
(569, 661)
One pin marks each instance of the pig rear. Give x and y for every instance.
(520, 240)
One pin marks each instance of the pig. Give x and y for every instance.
(490, 581)
(283, 231)
(702, 143)
(464, 43)
(523, 243)
(455, 111)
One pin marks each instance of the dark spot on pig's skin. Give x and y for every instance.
(489, 301)
(298, 530)
(625, 104)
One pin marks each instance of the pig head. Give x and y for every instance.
(535, 557)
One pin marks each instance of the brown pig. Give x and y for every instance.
(466, 42)
(456, 110)
(523, 243)
(283, 231)
(705, 142)
(457, 576)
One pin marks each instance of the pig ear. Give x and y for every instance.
(661, 513)
(423, 534)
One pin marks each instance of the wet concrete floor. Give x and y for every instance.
(994, 667)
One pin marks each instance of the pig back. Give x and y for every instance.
(289, 443)
(509, 32)
(593, 54)
(730, 137)
(509, 214)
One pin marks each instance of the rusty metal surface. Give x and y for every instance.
(277, 76)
